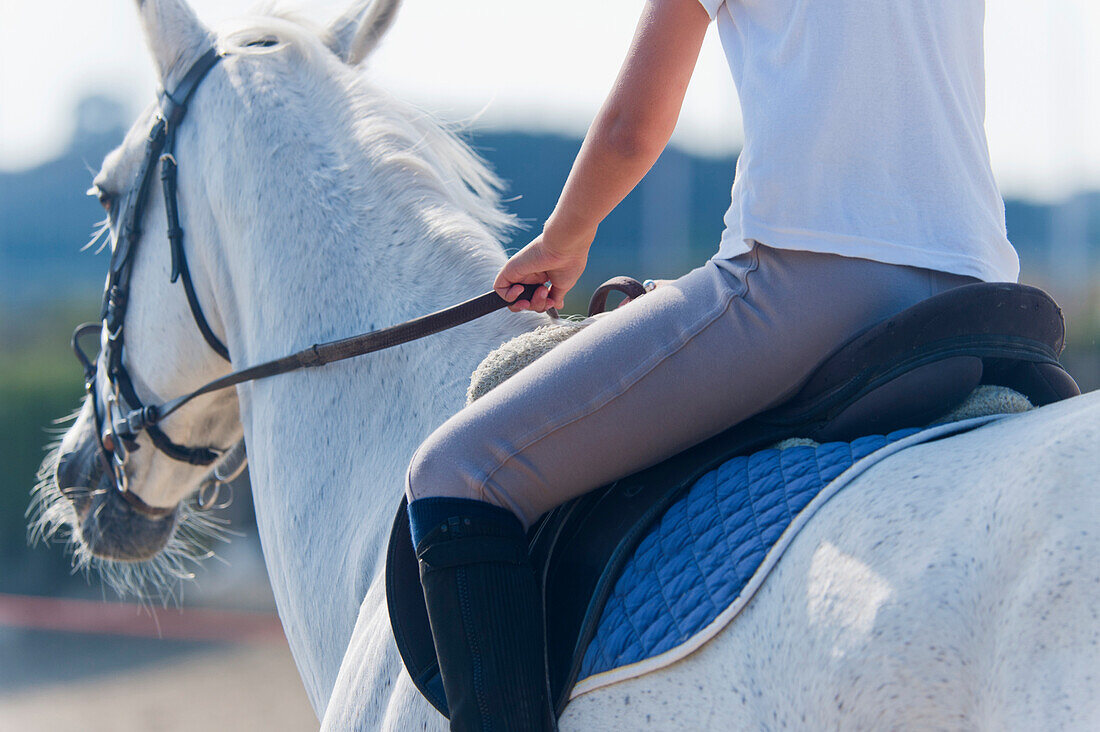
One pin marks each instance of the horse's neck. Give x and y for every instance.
(328, 447)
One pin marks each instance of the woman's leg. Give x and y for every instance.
(726, 341)
(720, 344)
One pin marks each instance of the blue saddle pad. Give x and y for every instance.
(697, 559)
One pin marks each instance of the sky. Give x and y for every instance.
(546, 66)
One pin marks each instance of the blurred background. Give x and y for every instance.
(525, 80)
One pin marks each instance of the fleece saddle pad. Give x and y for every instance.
(710, 552)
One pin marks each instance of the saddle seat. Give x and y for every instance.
(901, 372)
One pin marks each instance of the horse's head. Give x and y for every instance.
(126, 496)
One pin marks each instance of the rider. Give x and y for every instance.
(864, 186)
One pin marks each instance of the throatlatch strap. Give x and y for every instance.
(179, 258)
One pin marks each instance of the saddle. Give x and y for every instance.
(901, 372)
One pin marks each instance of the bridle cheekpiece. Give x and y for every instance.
(117, 427)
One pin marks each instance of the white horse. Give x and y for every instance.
(953, 585)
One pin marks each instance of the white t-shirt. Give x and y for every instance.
(864, 132)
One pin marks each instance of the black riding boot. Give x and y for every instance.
(485, 613)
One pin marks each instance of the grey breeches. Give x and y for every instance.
(722, 343)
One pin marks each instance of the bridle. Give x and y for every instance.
(123, 416)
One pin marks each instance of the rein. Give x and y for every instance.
(318, 354)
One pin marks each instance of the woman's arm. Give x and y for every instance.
(625, 139)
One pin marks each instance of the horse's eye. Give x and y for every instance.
(105, 198)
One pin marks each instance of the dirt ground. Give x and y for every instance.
(239, 688)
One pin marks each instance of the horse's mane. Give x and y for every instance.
(402, 135)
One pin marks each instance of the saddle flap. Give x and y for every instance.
(409, 613)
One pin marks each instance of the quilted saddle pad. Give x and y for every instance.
(703, 561)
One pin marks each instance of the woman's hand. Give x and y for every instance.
(623, 142)
(539, 262)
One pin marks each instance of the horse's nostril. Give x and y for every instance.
(72, 472)
(64, 472)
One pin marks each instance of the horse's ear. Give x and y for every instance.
(174, 34)
(357, 32)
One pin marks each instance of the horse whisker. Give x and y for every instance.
(103, 227)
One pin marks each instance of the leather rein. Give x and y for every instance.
(117, 427)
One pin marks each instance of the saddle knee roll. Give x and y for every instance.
(912, 399)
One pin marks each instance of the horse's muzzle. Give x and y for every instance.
(112, 529)
(109, 526)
